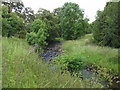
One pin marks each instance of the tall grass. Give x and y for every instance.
(22, 69)
(0, 62)
(93, 54)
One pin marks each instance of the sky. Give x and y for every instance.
(89, 6)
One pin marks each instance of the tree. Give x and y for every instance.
(14, 6)
(12, 25)
(57, 14)
(38, 34)
(28, 15)
(36, 25)
(24, 12)
(71, 21)
(106, 28)
(51, 21)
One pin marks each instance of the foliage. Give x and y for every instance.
(106, 28)
(12, 24)
(38, 35)
(31, 38)
(84, 49)
(71, 63)
(23, 12)
(71, 21)
(22, 69)
(51, 21)
(89, 28)
(28, 16)
(12, 5)
(36, 25)
(57, 12)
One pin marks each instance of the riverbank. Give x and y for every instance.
(102, 56)
(23, 70)
(105, 59)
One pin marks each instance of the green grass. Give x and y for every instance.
(22, 69)
(105, 57)
(0, 62)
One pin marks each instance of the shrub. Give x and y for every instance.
(36, 25)
(31, 38)
(38, 35)
(72, 64)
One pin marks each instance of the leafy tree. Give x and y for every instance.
(28, 15)
(87, 27)
(99, 25)
(56, 11)
(14, 6)
(57, 14)
(71, 21)
(24, 12)
(106, 28)
(38, 34)
(36, 25)
(51, 21)
(12, 25)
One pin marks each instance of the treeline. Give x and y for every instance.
(16, 19)
(106, 27)
(67, 22)
(44, 26)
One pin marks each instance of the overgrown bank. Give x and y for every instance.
(23, 69)
(84, 54)
(92, 54)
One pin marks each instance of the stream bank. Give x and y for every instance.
(54, 49)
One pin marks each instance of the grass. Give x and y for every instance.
(105, 57)
(0, 62)
(22, 69)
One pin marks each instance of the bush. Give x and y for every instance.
(73, 64)
(36, 25)
(31, 38)
(41, 37)
(38, 39)
(38, 35)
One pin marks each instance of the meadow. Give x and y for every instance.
(101, 56)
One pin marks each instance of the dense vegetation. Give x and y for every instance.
(12, 25)
(71, 21)
(22, 68)
(67, 22)
(86, 51)
(24, 32)
(106, 28)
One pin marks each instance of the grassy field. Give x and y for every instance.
(105, 57)
(22, 69)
